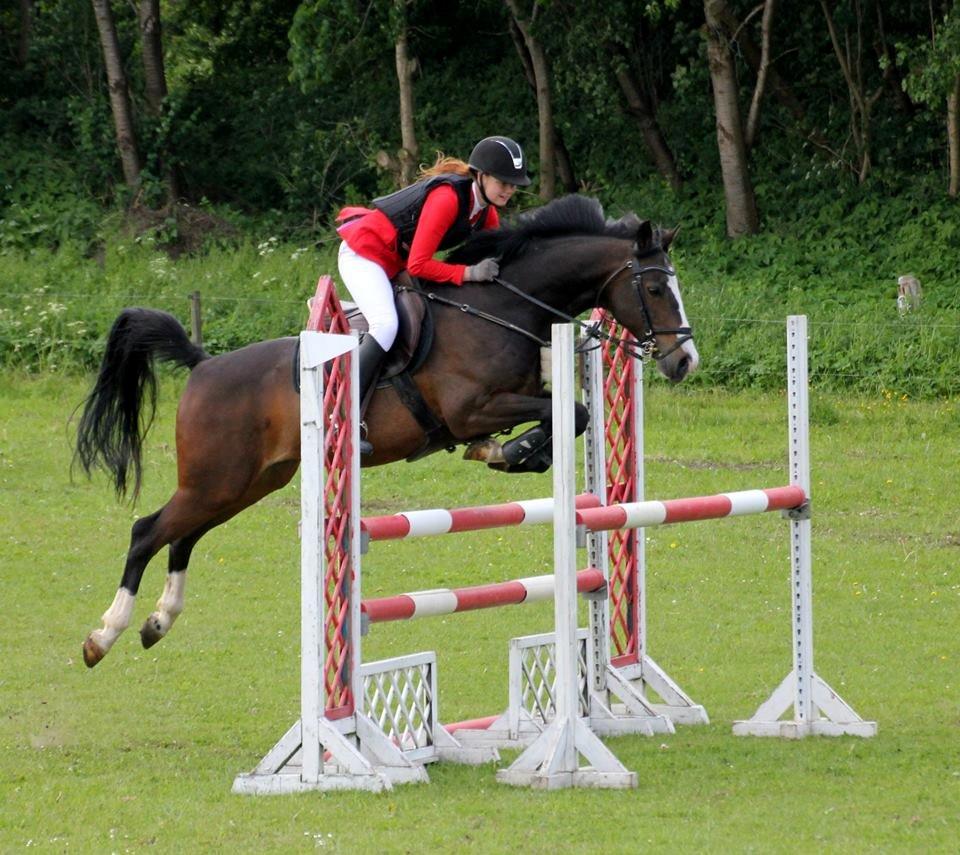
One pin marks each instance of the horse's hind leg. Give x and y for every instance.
(143, 546)
(179, 518)
(532, 450)
(170, 604)
(171, 600)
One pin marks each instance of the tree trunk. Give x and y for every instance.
(639, 107)
(155, 82)
(26, 30)
(741, 204)
(153, 72)
(409, 153)
(850, 58)
(779, 87)
(565, 169)
(565, 173)
(953, 135)
(119, 95)
(541, 74)
(763, 72)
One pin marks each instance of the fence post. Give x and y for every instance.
(196, 330)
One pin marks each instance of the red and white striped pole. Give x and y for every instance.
(443, 521)
(652, 513)
(445, 601)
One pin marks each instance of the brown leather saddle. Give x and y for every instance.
(414, 334)
(409, 352)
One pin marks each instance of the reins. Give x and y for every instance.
(467, 309)
(641, 348)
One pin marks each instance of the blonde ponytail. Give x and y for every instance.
(444, 165)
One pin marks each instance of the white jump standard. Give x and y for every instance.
(369, 726)
(553, 760)
(335, 747)
(802, 689)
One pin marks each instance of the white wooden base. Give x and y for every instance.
(676, 704)
(552, 761)
(506, 732)
(291, 781)
(452, 749)
(376, 765)
(621, 709)
(838, 718)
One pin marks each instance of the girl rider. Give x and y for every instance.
(406, 229)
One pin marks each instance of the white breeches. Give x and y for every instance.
(372, 292)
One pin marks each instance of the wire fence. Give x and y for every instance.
(916, 354)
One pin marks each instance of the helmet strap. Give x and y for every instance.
(479, 183)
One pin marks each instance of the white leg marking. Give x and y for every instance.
(115, 620)
(170, 603)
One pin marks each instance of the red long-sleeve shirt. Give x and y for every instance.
(372, 235)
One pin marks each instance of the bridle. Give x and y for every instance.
(647, 343)
(644, 347)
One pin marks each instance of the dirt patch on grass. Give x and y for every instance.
(701, 463)
(179, 229)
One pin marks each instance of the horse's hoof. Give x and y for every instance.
(487, 451)
(151, 631)
(92, 652)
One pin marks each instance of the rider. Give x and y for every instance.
(406, 229)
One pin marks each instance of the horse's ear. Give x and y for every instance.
(644, 235)
(667, 236)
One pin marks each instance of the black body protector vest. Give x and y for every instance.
(403, 210)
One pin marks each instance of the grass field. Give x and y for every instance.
(140, 753)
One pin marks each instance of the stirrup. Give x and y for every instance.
(366, 447)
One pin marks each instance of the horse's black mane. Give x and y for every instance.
(567, 216)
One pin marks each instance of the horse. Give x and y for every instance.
(237, 427)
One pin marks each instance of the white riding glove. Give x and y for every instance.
(482, 271)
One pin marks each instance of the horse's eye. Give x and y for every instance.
(655, 288)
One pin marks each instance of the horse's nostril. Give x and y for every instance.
(683, 366)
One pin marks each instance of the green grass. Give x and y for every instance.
(140, 753)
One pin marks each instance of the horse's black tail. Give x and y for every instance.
(111, 429)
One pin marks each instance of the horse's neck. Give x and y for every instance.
(569, 274)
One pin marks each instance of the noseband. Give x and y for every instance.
(648, 347)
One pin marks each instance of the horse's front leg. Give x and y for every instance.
(531, 451)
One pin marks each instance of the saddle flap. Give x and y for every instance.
(414, 333)
(411, 314)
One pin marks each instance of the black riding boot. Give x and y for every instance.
(371, 356)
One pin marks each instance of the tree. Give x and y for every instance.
(564, 164)
(934, 79)
(526, 23)
(406, 67)
(639, 106)
(331, 39)
(119, 94)
(741, 204)
(765, 68)
(155, 83)
(763, 74)
(26, 25)
(849, 51)
(605, 65)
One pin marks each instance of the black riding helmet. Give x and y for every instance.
(502, 158)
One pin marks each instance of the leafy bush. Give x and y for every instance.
(56, 307)
(42, 200)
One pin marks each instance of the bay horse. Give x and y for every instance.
(238, 427)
